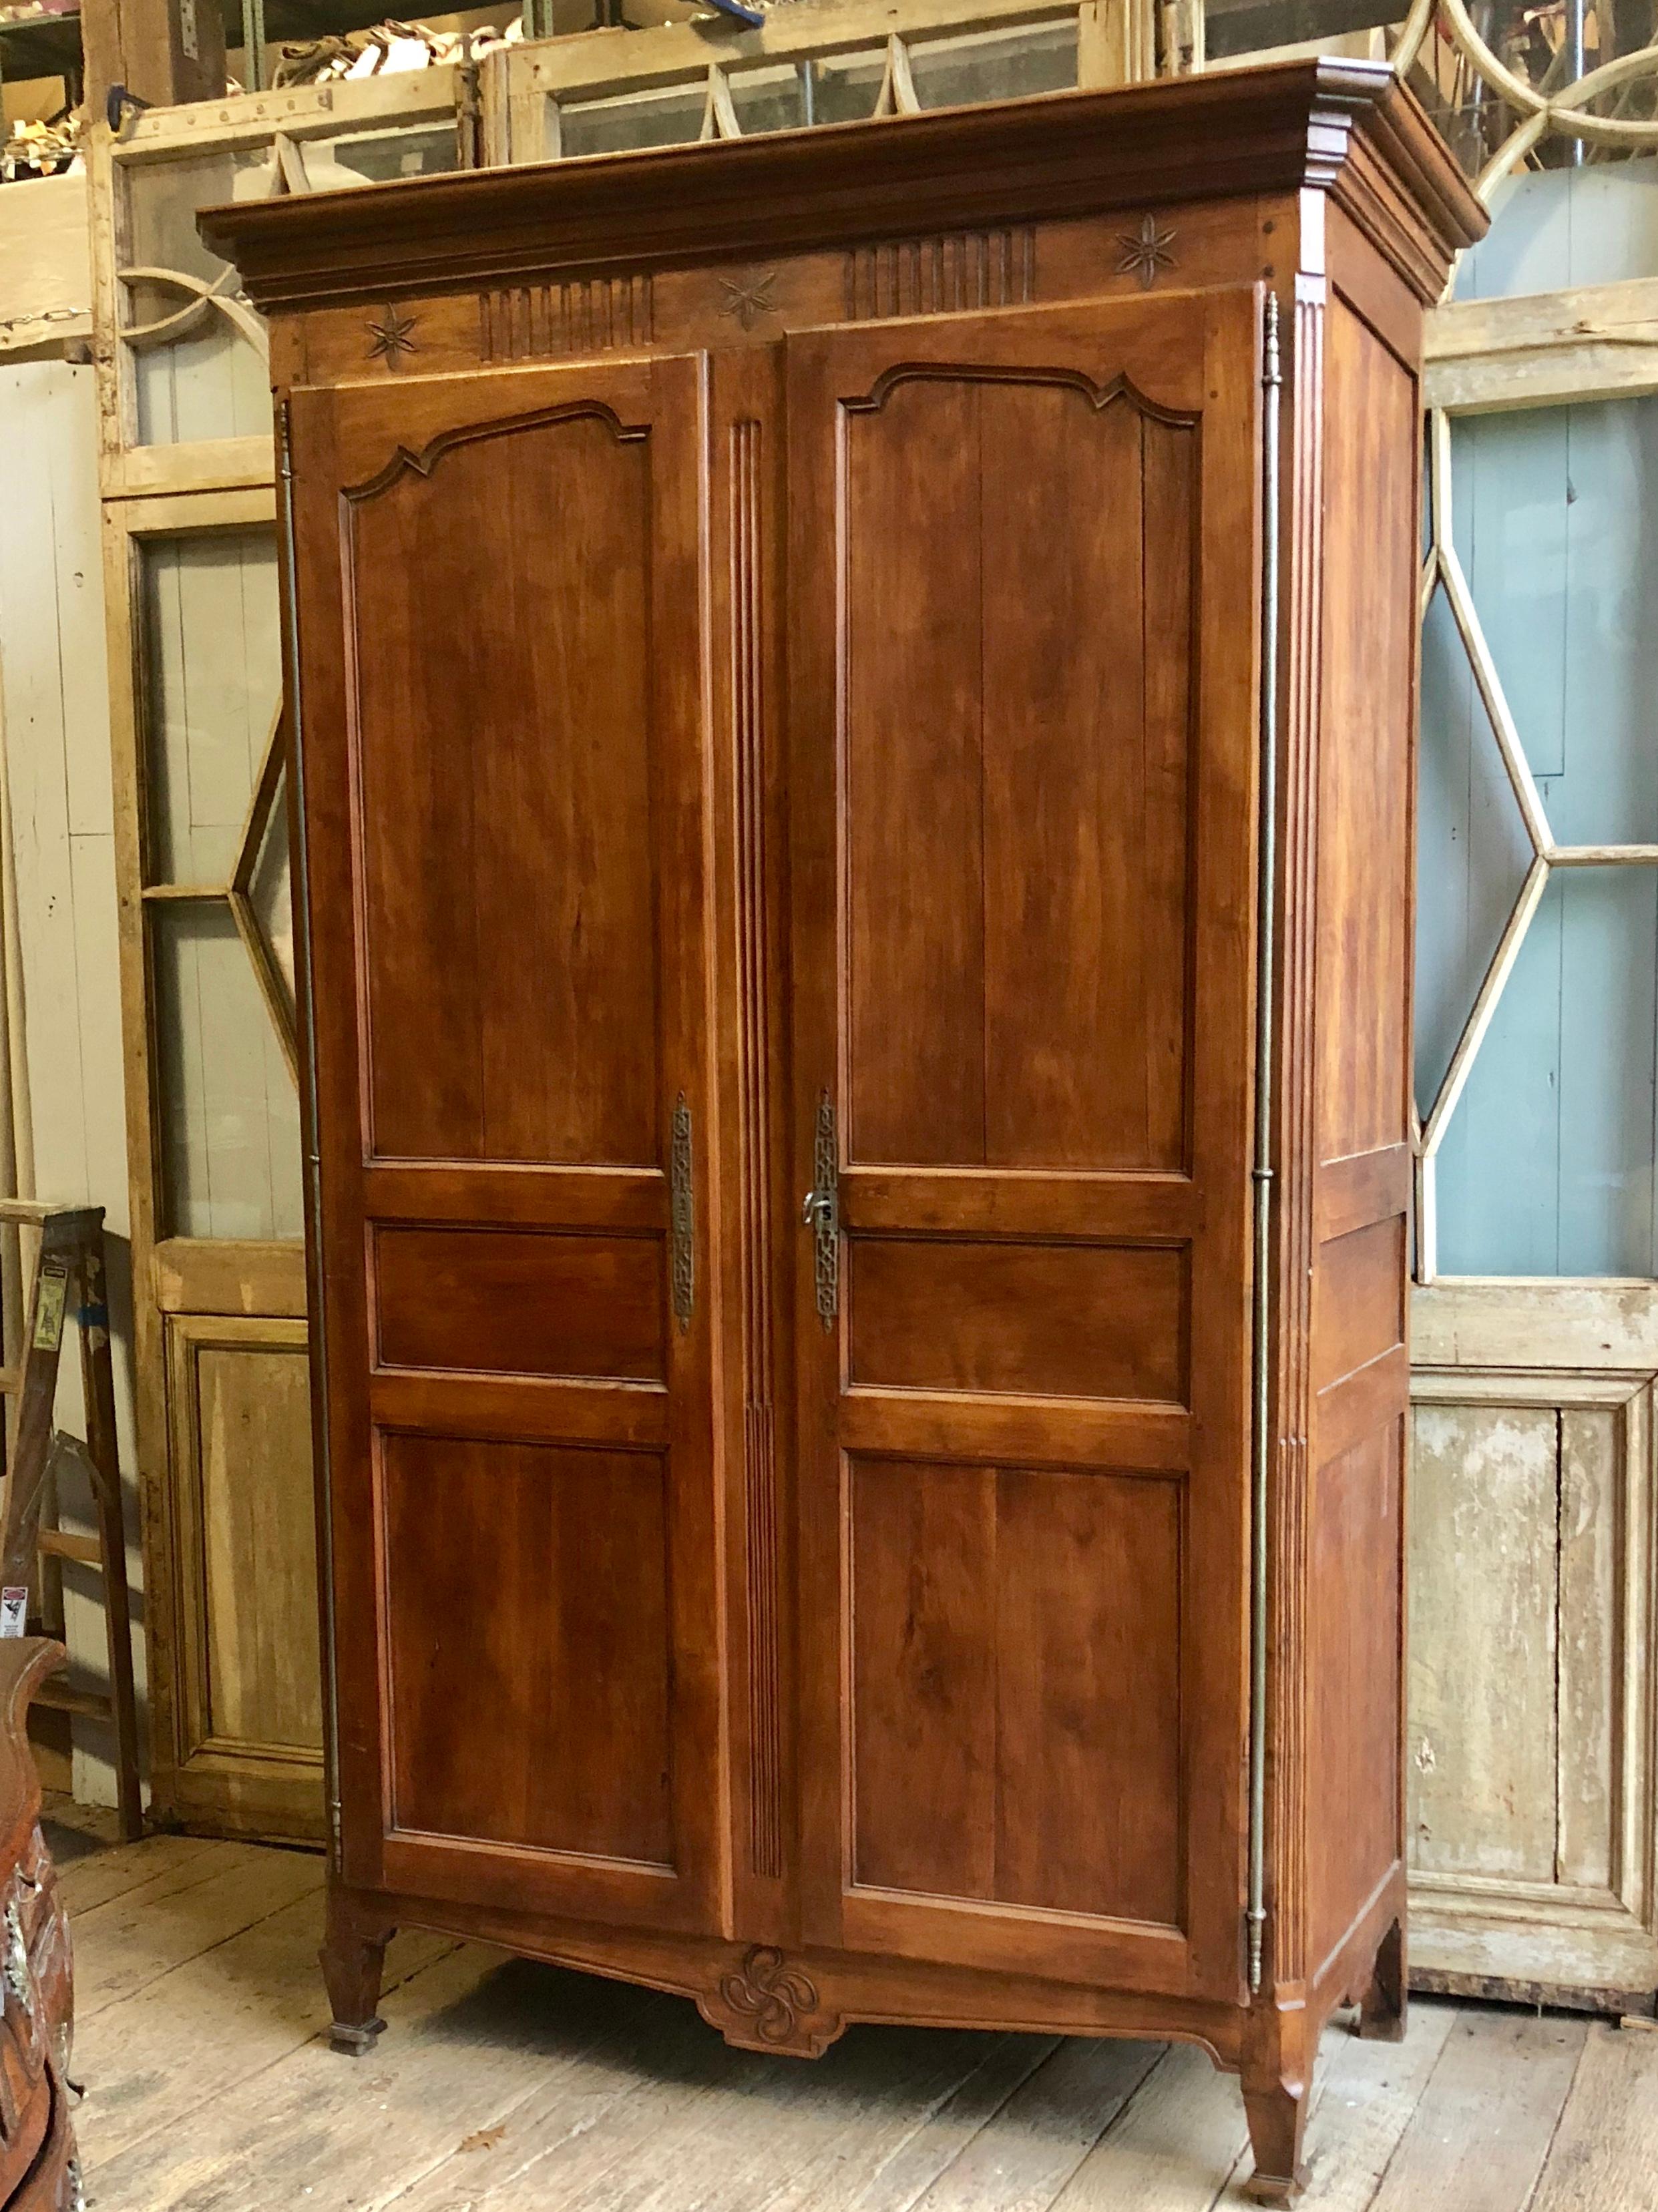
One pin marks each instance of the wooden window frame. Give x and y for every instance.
(522, 85)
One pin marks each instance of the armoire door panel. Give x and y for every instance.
(513, 970)
(1015, 1643)
(522, 1302)
(510, 949)
(1021, 887)
(529, 1582)
(1067, 1321)
(1021, 867)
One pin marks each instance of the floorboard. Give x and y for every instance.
(1477, 2139)
(1024, 2155)
(138, 1937)
(1605, 2154)
(237, 2009)
(1175, 2146)
(500, 2086)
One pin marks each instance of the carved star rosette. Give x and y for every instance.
(391, 336)
(748, 297)
(1145, 252)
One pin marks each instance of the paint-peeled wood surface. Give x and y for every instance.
(1482, 1734)
(501, 2085)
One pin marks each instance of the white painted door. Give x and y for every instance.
(1535, 1321)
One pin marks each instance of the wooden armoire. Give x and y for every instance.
(854, 697)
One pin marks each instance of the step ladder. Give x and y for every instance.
(69, 1284)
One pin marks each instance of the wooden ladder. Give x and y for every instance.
(70, 1267)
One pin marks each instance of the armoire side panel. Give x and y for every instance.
(1359, 1364)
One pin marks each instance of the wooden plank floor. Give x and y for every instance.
(504, 2087)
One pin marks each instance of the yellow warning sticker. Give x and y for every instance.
(49, 1311)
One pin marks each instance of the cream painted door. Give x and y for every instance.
(208, 972)
(1530, 1758)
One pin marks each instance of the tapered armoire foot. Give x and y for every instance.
(1278, 2119)
(1382, 2015)
(353, 1958)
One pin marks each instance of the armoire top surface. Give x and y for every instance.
(1351, 129)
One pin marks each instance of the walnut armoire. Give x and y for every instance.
(854, 697)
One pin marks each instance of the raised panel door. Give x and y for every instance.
(504, 743)
(1023, 679)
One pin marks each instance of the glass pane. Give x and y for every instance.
(1546, 1167)
(1549, 47)
(846, 86)
(355, 157)
(1556, 227)
(1552, 512)
(209, 381)
(672, 116)
(212, 383)
(270, 893)
(772, 99)
(995, 64)
(162, 198)
(1251, 27)
(1473, 852)
(229, 1112)
(212, 681)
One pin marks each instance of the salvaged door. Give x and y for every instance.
(1021, 1037)
(1533, 1798)
(200, 821)
(503, 745)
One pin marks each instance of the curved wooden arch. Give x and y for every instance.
(1542, 114)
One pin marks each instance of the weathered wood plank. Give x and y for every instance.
(1477, 2139)
(1597, 342)
(1367, 2094)
(784, 2137)
(1180, 2138)
(1023, 2156)
(104, 1875)
(137, 1937)
(324, 2131)
(1482, 1727)
(589, 2116)
(952, 2130)
(1502, 1323)
(1604, 2154)
(152, 2060)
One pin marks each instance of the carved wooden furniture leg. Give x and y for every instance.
(1278, 2122)
(353, 1957)
(1382, 2015)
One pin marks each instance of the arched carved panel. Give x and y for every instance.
(1031, 753)
(506, 910)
